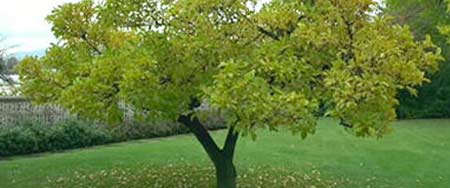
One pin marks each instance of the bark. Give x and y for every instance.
(226, 174)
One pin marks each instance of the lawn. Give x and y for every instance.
(416, 154)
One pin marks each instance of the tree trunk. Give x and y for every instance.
(225, 174)
(221, 158)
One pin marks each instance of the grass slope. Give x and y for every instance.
(416, 154)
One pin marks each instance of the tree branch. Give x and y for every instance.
(6, 79)
(88, 42)
(268, 33)
(230, 143)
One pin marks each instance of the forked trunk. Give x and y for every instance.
(222, 158)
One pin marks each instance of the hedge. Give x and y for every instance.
(32, 137)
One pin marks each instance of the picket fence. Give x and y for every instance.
(14, 110)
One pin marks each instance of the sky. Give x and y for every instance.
(22, 23)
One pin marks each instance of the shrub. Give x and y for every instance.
(16, 141)
(75, 135)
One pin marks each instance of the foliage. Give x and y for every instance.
(424, 17)
(445, 29)
(256, 69)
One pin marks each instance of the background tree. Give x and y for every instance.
(10, 64)
(259, 68)
(4, 62)
(424, 17)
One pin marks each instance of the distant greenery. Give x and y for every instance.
(415, 156)
(424, 17)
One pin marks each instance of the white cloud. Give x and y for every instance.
(23, 23)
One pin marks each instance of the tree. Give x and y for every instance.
(270, 68)
(4, 66)
(11, 63)
(424, 17)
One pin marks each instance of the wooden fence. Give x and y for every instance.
(14, 110)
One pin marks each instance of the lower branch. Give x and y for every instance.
(202, 135)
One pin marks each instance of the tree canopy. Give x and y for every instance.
(271, 67)
(260, 68)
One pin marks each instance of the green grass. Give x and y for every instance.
(416, 154)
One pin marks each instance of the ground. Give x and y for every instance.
(416, 154)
